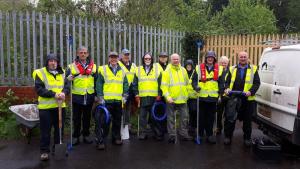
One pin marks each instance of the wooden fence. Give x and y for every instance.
(26, 38)
(230, 45)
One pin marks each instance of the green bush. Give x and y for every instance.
(5, 102)
(9, 128)
(8, 125)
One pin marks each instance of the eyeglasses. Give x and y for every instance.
(82, 52)
(147, 58)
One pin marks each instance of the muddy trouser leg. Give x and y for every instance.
(77, 115)
(229, 128)
(171, 120)
(184, 118)
(144, 111)
(247, 118)
(86, 120)
(101, 127)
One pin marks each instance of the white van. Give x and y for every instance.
(278, 98)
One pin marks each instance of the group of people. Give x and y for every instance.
(190, 92)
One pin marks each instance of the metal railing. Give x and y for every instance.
(26, 38)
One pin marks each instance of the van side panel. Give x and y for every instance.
(278, 94)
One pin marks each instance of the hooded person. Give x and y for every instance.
(82, 73)
(192, 100)
(146, 88)
(51, 87)
(208, 81)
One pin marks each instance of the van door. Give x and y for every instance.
(285, 89)
(264, 93)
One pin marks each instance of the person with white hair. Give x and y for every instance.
(224, 62)
(174, 85)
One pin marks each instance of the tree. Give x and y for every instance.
(294, 16)
(217, 5)
(245, 17)
(9, 5)
(184, 15)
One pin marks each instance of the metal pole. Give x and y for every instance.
(198, 139)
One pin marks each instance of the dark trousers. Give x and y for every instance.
(49, 118)
(207, 112)
(192, 105)
(127, 112)
(220, 114)
(245, 115)
(81, 113)
(102, 129)
(156, 126)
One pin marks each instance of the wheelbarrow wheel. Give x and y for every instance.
(25, 132)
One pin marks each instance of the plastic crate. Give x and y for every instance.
(266, 149)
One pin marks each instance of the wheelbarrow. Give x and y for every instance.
(27, 116)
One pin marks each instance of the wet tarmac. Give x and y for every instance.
(147, 154)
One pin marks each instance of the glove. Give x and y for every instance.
(219, 100)
(124, 99)
(226, 91)
(170, 100)
(70, 77)
(158, 98)
(198, 89)
(137, 100)
(101, 100)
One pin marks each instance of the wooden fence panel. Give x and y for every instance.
(230, 45)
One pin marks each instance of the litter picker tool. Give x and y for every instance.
(198, 139)
(70, 145)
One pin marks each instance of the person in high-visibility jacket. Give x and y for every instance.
(82, 73)
(112, 91)
(146, 87)
(223, 61)
(242, 77)
(192, 101)
(207, 80)
(174, 86)
(163, 61)
(51, 86)
(130, 69)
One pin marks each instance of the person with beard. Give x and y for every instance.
(82, 74)
(51, 87)
(146, 87)
(163, 60)
(192, 101)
